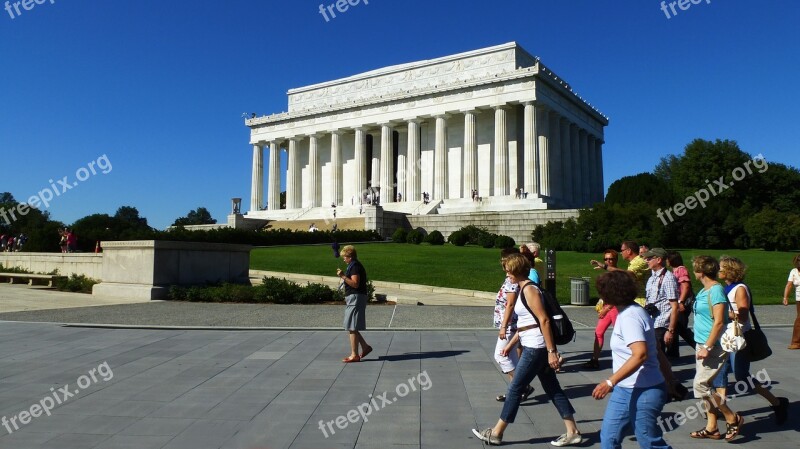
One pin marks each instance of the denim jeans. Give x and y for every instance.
(534, 363)
(639, 408)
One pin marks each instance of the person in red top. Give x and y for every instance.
(72, 241)
(675, 261)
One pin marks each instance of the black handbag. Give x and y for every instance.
(757, 345)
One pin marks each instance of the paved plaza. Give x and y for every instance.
(429, 381)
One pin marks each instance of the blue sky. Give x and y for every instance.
(158, 87)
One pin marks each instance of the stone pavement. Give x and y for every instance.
(233, 389)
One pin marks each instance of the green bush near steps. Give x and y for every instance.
(271, 291)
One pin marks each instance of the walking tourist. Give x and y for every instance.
(638, 391)
(539, 358)
(685, 300)
(606, 313)
(732, 271)
(506, 352)
(710, 316)
(636, 265)
(794, 281)
(355, 297)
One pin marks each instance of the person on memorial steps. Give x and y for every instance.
(637, 387)
(539, 358)
(355, 297)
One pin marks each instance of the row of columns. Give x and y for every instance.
(561, 161)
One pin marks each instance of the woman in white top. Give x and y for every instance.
(732, 271)
(794, 281)
(637, 387)
(539, 358)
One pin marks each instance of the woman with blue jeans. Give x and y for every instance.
(539, 358)
(637, 387)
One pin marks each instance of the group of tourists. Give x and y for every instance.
(647, 308)
(9, 243)
(68, 241)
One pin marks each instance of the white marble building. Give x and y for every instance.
(494, 120)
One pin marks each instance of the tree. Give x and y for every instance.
(199, 216)
(130, 215)
(641, 188)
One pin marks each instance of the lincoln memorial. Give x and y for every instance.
(486, 131)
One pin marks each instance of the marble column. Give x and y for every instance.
(257, 185)
(440, 175)
(314, 172)
(530, 171)
(413, 177)
(470, 154)
(274, 183)
(585, 199)
(592, 168)
(336, 168)
(566, 159)
(387, 165)
(361, 164)
(556, 176)
(375, 182)
(575, 165)
(543, 135)
(293, 189)
(501, 184)
(599, 186)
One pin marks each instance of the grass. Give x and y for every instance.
(475, 268)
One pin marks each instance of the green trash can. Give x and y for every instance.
(579, 291)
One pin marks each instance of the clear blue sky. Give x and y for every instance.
(159, 86)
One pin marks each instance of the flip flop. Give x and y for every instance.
(366, 352)
(351, 359)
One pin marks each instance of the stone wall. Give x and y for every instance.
(517, 225)
(87, 264)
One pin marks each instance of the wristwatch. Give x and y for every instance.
(707, 348)
(610, 384)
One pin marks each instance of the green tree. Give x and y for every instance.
(199, 216)
(641, 188)
(130, 215)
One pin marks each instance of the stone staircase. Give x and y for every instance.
(491, 204)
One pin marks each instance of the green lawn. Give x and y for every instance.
(476, 268)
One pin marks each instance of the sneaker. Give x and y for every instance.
(567, 440)
(781, 411)
(487, 437)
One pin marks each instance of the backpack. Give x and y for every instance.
(563, 332)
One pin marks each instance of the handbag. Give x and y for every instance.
(733, 339)
(757, 344)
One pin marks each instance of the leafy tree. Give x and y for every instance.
(199, 216)
(130, 215)
(7, 197)
(641, 188)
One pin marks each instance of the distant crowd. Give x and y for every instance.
(9, 243)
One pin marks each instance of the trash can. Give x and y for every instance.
(579, 292)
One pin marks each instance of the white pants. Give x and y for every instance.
(507, 363)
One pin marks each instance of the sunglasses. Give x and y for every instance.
(608, 258)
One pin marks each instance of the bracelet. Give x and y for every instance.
(707, 348)
(610, 384)
(671, 331)
(552, 351)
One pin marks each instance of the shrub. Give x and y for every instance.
(414, 237)
(504, 241)
(435, 238)
(76, 283)
(487, 240)
(314, 294)
(400, 235)
(474, 233)
(15, 270)
(458, 238)
(276, 290)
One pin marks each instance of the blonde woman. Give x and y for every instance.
(354, 279)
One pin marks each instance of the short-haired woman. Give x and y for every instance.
(539, 358)
(638, 390)
(354, 279)
(794, 281)
(710, 316)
